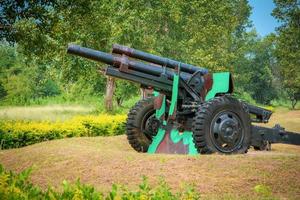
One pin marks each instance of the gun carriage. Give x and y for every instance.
(190, 110)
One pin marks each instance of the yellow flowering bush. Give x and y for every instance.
(22, 133)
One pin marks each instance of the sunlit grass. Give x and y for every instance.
(50, 112)
(63, 111)
(289, 119)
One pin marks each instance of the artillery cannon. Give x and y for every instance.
(190, 110)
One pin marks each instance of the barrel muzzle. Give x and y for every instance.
(90, 54)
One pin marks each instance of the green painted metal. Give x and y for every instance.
(155, 93)
(220, 84)
(174, 94)
(161, 132)
(187, 137)
(175, 135)
(156, 141)
(161, 111)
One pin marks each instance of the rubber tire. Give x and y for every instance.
(136, 138)
(203, 119)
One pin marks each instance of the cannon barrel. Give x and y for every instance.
(120, 49)
(118, 61)
(90, 54)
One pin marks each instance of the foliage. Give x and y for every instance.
(49, 88)
(42, 31)
(14, 10)
(211, 34)
(3, 92)
(287, 46)
(14, 134)
(9, 66)
(19, 89)
(22, 82)
(17, 186)
(125, 90)
(255, 70)
(240, 94)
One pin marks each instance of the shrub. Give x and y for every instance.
(3, 92)
(17, 186)
(14, 134)
(245, 97)
(264, 192)
(49, 88)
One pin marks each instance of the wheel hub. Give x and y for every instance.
(151, 126)
(226, 131)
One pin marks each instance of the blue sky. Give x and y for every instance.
(261, 16)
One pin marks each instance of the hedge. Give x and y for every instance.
(14, 134)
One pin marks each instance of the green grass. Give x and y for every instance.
(40, 113)
(52, 110)
(62, 108)
(281, 103)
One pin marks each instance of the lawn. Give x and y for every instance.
(101, 161)
(50, 112)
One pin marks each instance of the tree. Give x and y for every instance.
(42, 30)
(3, 92)
(125, 90)
(13, 11)
(202, 32)
(254, 69)
(288, 46)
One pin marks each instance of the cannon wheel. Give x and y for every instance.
(222, 125)
(138, 126)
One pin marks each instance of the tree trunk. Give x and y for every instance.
(119, 101)
(110, 88)
(294, 103)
